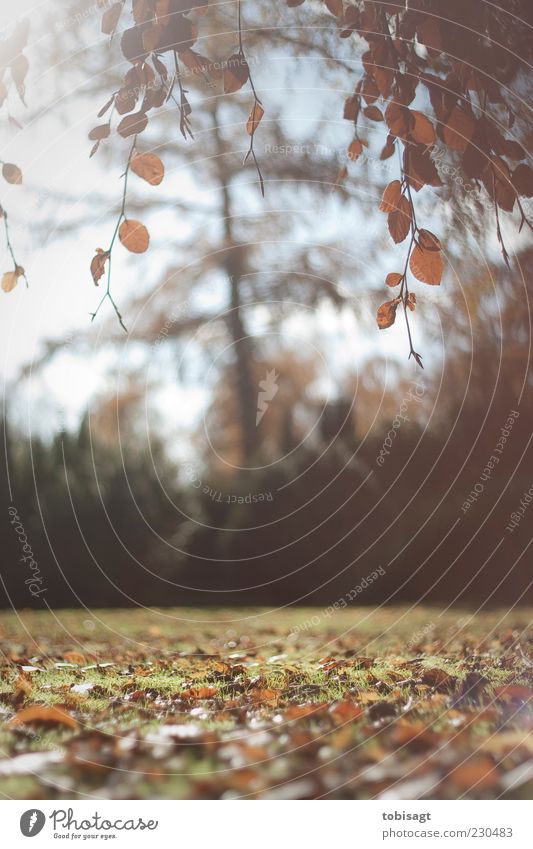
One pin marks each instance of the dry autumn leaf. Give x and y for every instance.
(133, 124)
(426, 265)
(355, 150)
(9, 281)
(386, 314)
(391, 197)
(459, 129)
(41, 715)
(134, 236)
(422, 130)
(335, 7)
(111, 17)
(428, 240)
(393, 279)
(12, 173)
(236, 73)
(149, 167)
(254, 118)
(98, 264)
(399, 221)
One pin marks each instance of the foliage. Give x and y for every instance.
(300, 704)
(466, 56)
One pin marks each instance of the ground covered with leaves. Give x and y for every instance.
(360, 703)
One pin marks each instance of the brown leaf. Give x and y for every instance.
(426, 265)
(428, 240)
(254, 118)
(149, 167)
(411, 301)
(459, 129)
(393, 279)
(41, 715)
(351, 107)
(100, 132)
(422, 130)
(355, 150)
(9, 281)
(74, 657)
(98, 264)
(391, 196)
(522, 179)
(132, 124)
(12, 173)
(373, 113)
(386, 315)
(134, 236)
(110, 18)
(398, 119)
(399, 221)
(514, 692)
(335, 7)
(476, 773)
(236, 73)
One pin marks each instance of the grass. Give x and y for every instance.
(353, 703)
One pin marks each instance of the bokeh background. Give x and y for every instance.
(135, 462)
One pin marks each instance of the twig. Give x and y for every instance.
(121, 216)
(18, 268)
(257, 102)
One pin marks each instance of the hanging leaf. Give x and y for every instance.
(399, 221)
(428, 240)
(410, 302)
(522, 179)
(100, 132)
(373, 113)
(398, 120)
(132, 125)
(335, 7)
(236, 73)
(149, 167)
(459, 129)
(393, 279)
(352, 106)
(426, 265)
(254, 118)
(355, 150)
(134, 236)
(391, 197)
(9, 281)
(422, 130)
(12, 173)
(386, 314)
(111, 17)
(98, 264)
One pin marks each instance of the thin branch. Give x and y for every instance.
(257, 103)
(19, 270)
(121, 216)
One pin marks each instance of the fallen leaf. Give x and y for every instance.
(41, 715)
